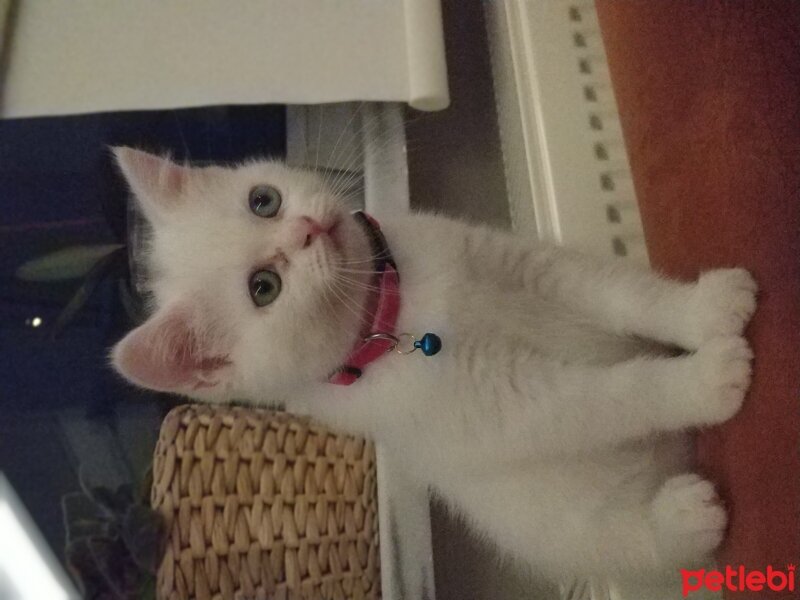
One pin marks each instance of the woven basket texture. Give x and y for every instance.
(262, 505)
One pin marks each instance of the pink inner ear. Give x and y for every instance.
(151, 175)
(174, 179)
(166, 354)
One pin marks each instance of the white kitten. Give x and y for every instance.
(546, 419)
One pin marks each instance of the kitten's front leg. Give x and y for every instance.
(525, 405)
(636, 301)
(598, 520)
(723, 302)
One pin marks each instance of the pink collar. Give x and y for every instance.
(369, 349)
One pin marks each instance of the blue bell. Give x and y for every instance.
(430, 344)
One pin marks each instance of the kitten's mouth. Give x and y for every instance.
(334, 234)
(379, 253)
(329, 232)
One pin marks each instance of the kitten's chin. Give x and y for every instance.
(353, 242)
(349, 259)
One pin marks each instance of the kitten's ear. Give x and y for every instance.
(152, 178)
(168, 354)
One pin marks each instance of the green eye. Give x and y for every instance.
(265, 201)
(265, 286)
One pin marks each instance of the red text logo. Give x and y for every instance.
(739, 580)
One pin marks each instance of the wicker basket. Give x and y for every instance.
(262, 505)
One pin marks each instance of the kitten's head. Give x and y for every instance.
(245, 266)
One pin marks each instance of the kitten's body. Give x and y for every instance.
(551, 418)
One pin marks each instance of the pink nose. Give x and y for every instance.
(311, 229)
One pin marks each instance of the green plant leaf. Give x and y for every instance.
(147, 591)
(115, 565)
(130, 302)
(143, 533)
(83, 518)
(82, 567)
(90, 282)
(72, 262)
(114, 545)
(108, 503)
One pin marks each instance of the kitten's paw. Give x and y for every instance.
(689, 519)
(723, 376)
(723, 302)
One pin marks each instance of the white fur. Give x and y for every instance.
(552, 417)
